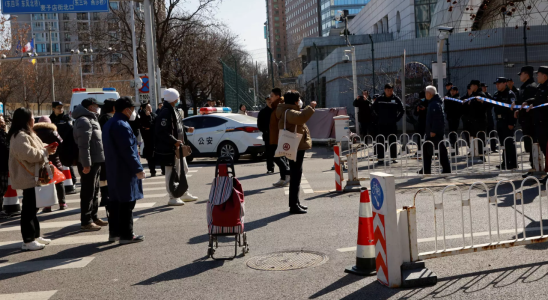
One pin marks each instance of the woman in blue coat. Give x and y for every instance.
(124, 172)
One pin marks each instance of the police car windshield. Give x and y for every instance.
(241, 118)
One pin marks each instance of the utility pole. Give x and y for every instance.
(133, 42)
(448, 61)
(52, 63)
(150, 52)
(271, 67)
(373, 63)
(319, 91)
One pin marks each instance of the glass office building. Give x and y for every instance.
(330, 7)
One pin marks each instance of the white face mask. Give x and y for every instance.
(98, 110)
(133, 116)
(300, 104)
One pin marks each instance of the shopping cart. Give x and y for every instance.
(225, 208)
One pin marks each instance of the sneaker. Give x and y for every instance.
(175, 202)
(112, 238)
(100, 222)
(46, 210)
(63, 206)
(279, 183)
(90, 227)
(188, 197)
(44, 241)
(270, 173)
(287, 179)
(135, 239)
(32, 246)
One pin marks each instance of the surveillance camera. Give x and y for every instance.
(90, 50)
(109, 49)
(77, 51)
(28, 54)
(448, 29)
(346, 59)
(85, 50)
(72, 51)
(3, 56)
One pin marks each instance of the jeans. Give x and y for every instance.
(429, 151)
(269, 157)
(169, 169)
(89, 203)
(30, 228)
(281, 162)
(296, 173)
(120, 219)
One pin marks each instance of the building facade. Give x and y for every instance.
(276, 37)
(329, 9)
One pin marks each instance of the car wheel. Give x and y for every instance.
(228, 149)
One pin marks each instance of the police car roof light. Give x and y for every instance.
(213, 110)
(111, 89)
(78, 90)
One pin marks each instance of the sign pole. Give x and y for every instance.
(133, 41)
(150, 52)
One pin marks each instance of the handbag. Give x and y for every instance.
(45, 191)
(178, 184)
(288, 142)
(186, 151)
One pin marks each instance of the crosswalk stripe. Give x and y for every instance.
(67, 240)
(192, 171)
(137, 205)
(305, 186)
(154, 189)
(146, 196)
(41, 265)
(45, 295)
(153, 183)
(47, 225)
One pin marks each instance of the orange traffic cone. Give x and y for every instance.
(68, 183)
(11, 203)
(365, 252)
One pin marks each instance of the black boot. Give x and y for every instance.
(302, 206)
(297, 210)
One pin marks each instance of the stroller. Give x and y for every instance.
(225, 208)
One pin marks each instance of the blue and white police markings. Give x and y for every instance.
(209, 140)
(377, 193)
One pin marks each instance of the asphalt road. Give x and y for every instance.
(172, 262)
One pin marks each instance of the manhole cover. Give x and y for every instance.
(287, 260)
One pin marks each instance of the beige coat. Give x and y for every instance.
(27, 150)
(296, 117)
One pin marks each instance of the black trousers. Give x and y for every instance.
(429, 151)
(71, 168)
(542, 138)
(364, 126)
(120, 219)
(295, 181)
(151, 164)
(474, 132)
(89, 190)
(386, 132)
(509, 153)
(281, 162)
(30, 228)
(60, 192)
(269, 157)
(454, 127)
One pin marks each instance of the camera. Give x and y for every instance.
(346, 59)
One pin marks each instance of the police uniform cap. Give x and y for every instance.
(543, 70)
(448, 84)
(501, 80)
(388, 86)
(483, 85)
(475, 82)
(455, 88)
(54, 104)
(527, 69)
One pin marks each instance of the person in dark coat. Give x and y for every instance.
(420, 112)
(448, 88)
(147, 127)
(282, 162)
(512, 87)
(363, 103)
(106, 113)
(528, 90)
(490, 119)
(467, 122)
(169, 135)
(4, 170)
(47, 132)
(125, 172)
(478, 113)
(263, 123)
(388, 111)
(453, 113)
(505, 123)
(434, 132)
(68, 151)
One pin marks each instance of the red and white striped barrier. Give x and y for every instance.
(68, 183)
(11, 203)
(338, 168)
(365, 254)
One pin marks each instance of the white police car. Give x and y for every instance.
(218, 132)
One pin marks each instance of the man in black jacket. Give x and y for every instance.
(490, 120)
(505, 123)
(448, 88)
(107, 112)
(147, 118)
(478, 115)
(363, 103)
(263, 123)
(68, 151)
(169, 134)
(388, 111)
(434, 132)
(528, 90)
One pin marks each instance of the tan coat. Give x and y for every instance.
(296, 117)
(27, 150)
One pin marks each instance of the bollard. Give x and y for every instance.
(353, 183)
(68, 183)
(365, 254)
(11, 203)
(338, 169)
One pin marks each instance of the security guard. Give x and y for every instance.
(528, 90)
(467, 123)
(505, 123)
(540, 114)
(478, 114)
(388, 111)
(490, 120)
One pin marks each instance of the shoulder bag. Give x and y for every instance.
(288, 142)
(46, 194)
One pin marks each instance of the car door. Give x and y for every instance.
(195, 122)
(209, 134)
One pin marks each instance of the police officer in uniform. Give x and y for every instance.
(478, 114)
(467, 123)
(453, 112)
(490, 120)
(528, 90)
(540, 114)
(388, 111)
(505, 123)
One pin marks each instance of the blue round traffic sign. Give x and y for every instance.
(145, 88)
(377, 194)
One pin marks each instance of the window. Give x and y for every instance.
(210, 122)
(67, 37)
(114, 5)
(66, 25)
(95, 16)
(66, 17)
(194, 122)
(55, 47)
(83, 26)
(67, 47)
(423, 15)
(40, 48)
(82, 16)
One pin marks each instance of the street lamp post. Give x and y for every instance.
(352, 51)
(319, 91)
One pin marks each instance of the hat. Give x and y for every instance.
(44, 119)
(527, 69)
(510, 80)
(543, 70)
(483, 85)
(455, 88)
(388, 86)
(171, 95)
(448, 84)
(475, 82)
(123, 103)
(89, 101)
(500, 80)
(54, 104)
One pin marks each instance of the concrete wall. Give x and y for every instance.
(377, 10)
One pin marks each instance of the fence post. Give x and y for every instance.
(353, 182)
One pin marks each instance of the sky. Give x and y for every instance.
(245, 18)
